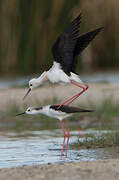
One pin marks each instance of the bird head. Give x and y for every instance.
(35, 82)
(32, 111)
(32, 84)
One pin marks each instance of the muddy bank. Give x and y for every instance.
(96, 93)
(96, 170)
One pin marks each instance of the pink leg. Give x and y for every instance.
(64, 137)
(77, 95)
(66, 101)
(68, 137)
(69, 101)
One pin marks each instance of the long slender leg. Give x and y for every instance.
(66, 101)
(69, 101)
(77, 95)
(64, 136)
(68, 136)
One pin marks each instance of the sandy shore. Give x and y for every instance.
(96, 94)
(96, 170)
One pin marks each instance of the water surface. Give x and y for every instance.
(42, 147)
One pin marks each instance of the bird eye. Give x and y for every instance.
(28, 110)
(30, 84)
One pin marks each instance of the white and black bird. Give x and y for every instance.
(59, 113)
(66, 50)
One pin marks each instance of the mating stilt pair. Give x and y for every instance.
(66, 50)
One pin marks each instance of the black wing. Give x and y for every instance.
(68, 109)
(63, 49)
(82, 42)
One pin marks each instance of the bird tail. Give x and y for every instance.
(86, 110)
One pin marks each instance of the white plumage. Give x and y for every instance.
(56, 112)
(66, 50)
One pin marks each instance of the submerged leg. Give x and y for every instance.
(68, 136)
(64, 136)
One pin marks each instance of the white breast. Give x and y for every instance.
(56, 74)
(55, 114)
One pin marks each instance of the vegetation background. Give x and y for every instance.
(28, 29)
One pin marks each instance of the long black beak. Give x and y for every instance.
(27, 93)
(21, 114)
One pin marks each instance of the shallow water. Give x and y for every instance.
(42, 147)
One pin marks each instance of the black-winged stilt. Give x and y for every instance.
(60, 113)
(65, 51)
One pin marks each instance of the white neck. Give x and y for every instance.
(42, 78)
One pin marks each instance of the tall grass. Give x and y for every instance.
(30, 27)
(28, 30)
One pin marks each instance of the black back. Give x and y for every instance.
(68, 109)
